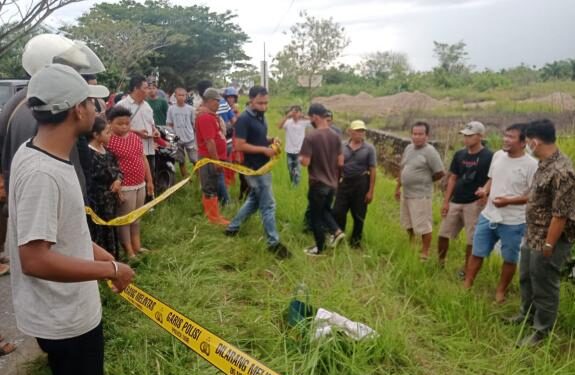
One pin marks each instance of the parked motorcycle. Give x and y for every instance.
(165, 172)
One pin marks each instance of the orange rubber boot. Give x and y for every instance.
(212, 211)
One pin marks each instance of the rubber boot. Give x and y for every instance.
(212, 211)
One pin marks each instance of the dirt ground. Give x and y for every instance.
(370, 106)
(381, 106)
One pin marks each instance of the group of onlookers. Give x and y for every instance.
(528, 207)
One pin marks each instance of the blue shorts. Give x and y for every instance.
(487, 235)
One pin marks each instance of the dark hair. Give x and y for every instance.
(257, 90)
(89, 77)
(46, 117)
(541, 129)
(203, 85)
(117, 111)
(296, 108)
(317, 109)
(520, 127)
(98, 127)
(329, 114)
(421, 124)
(118, 97)
(136, 82)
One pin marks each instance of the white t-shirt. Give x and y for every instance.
(182, 119)
(295, 133)
(510, 177)
(46, 203)
(142, 119)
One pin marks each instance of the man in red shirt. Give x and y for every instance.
(212, 145)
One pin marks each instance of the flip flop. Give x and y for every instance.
(143, 250)
(6, 348)
(4, 260)
(4, 269)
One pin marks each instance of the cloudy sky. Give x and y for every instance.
(498, 33)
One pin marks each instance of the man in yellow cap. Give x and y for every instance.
(355, 190)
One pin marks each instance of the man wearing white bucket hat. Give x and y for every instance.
(55, 264)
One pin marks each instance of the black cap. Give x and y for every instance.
(317, 109)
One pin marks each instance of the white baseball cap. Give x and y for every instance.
(60, 87)
(474, 127)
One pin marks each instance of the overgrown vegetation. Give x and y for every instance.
(427, 323)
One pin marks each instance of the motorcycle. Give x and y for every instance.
(165, 171)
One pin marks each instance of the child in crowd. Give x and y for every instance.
(104, 191)
(181, 118)
(137, 182)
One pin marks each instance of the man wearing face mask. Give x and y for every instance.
(550, 232)
(461, 207)
(503, 219)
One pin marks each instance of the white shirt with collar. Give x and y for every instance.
(142, 119)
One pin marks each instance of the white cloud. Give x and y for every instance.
(498, 33)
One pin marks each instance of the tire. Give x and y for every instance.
(164, 180)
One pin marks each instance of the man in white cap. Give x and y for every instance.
(55, 264)
(16, 121)
(356, 187)
(461, 205)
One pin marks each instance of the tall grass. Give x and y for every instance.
(427, 323)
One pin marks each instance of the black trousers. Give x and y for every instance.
(77, 355)
(351, 197)
(320, 198)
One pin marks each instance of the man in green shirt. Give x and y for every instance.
(159, 105)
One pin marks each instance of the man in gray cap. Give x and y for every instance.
(462, 205)
(55, 264)
(16, 121)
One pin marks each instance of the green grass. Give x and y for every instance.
(427, 323)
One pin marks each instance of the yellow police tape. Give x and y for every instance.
(221, 354)
(137, 213)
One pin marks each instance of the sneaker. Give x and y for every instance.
(231, 233)
(532, 340)
(312, 251)
(334, 240)
(280, 251)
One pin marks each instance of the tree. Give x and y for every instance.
(122, 45)
(19, 18)
(453, 69)
(11, 60)
(560, 70)
(206, 43)
(382, 66)
(315, 45)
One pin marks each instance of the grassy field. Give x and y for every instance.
(427, 323)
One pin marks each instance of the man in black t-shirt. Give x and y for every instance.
(461, 205)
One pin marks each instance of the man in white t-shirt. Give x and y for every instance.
(55, 264)
(295, 126)
(503, 219)
(142, 120)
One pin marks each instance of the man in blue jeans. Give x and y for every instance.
(252, 140)
(503, 219)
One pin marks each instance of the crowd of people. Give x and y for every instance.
(63, 148)
(528, 207)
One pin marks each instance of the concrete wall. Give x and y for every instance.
(390, 148)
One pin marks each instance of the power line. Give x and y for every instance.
(283, 17)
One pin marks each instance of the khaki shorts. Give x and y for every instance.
(416, 214)
(189, 151)
(458, 217)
